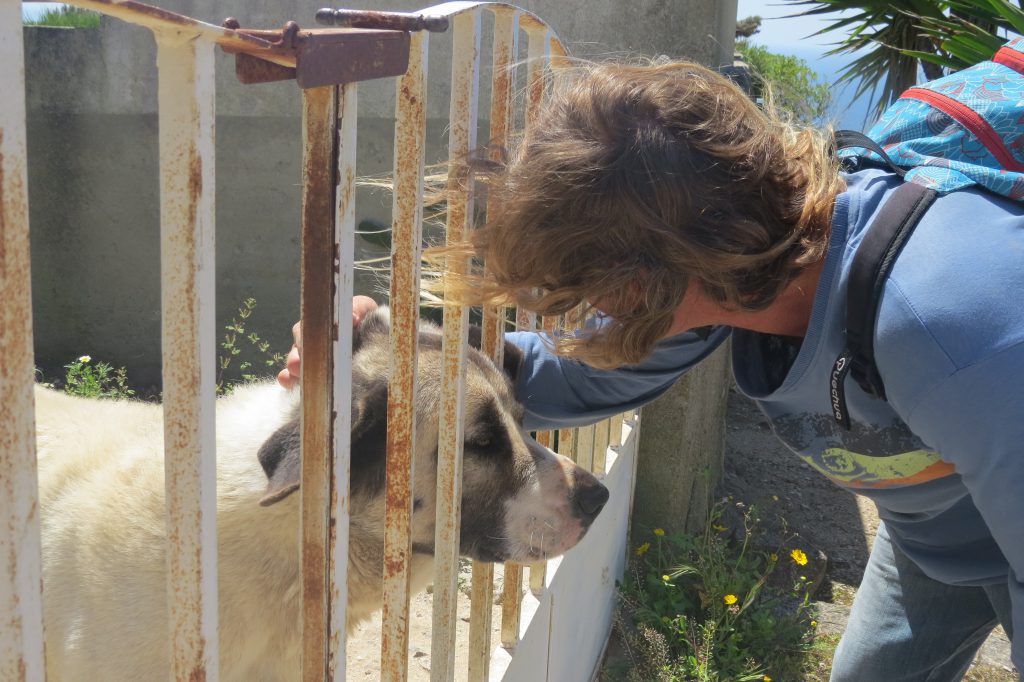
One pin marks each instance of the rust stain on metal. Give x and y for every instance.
(21, 628)
(319, 163)
(461, 142)
(186, 143)
(395, 21)
(410, 133)
(320, 57)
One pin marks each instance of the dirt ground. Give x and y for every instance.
(363, 652)
(759, 468)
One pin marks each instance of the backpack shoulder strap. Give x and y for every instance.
(871, 266)
(845, 139)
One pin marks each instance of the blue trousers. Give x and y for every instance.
(907, 627)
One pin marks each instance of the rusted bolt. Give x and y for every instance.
(289, 35)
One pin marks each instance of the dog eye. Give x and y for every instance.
(482, 442)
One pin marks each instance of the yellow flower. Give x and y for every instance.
(85, 358)
(642, 549)
(774, 557)
(729, 599)
(665, 578)
(814, 623)
(775, 498)
(659, 531)
(766, 679)
(799, 557)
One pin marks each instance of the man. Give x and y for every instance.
(678, 213)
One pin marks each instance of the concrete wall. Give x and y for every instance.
(95, 216)
(93, 163)
(682, 449)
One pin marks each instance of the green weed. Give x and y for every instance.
(243, 351)
(703, 609)
(89, 379)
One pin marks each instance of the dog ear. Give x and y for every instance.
(512, 359)
(281, 462)
(369, 437)
(376, 322)
(280, 456)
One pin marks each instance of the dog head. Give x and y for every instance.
(520, 501)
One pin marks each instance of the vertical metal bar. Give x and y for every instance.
(600, 446)
(21, 608)
(410, 135)
(615, 430)
(319, 120)
(481, 599)
(537, 51)
(504, 52)
(344, 236)
(585, 447)
(567, 443)
(511, 600)
(186, 101)
(461, 142)
(538, 570)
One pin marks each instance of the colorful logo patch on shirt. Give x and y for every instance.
(853, 470)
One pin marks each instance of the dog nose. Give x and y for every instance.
(590, 500)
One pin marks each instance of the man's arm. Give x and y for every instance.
(561, 393)
(975, 420)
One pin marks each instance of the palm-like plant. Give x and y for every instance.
(893, 39)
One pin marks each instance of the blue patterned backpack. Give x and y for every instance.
(965, 129)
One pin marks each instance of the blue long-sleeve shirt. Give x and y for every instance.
(943, 458)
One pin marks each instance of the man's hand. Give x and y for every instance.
(289, 376)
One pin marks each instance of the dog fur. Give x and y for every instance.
(102, 496)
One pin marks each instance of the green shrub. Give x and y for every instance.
(67, 17)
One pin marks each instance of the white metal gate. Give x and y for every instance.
(560, 632)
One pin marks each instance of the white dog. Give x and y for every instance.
(102, 486)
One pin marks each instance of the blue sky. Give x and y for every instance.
(34, 9)
(794, 36)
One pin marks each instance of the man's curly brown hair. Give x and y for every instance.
(636, 182)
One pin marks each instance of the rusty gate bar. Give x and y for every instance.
(186, 117)
(462, 135)
(601, 445)
(537, 53)
(585, 447)
(504, 52)
(318, 238)
(407, 223)
(21, 604)
(344, 250)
